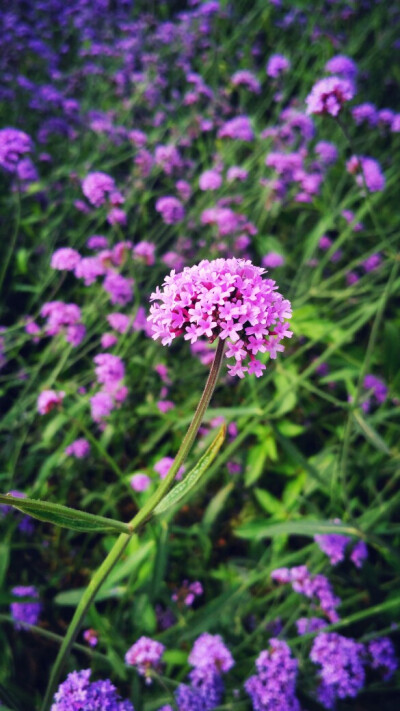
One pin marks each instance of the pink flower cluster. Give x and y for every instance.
(329, 95)
(110, 372)
(48, 400)
(63, 318)
(145, 655)
(225, 298)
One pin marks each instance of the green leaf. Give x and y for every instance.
(258, 530)
(216, 505)
(64, 516)
(193, 477)
(268, 502)
(4, 561)
(370, 433)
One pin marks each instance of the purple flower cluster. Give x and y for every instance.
(367, 172)
(48, 400)
(13, 145)
(100, 187)
(110, 372)
(341, 662)
(273, 688)
(226, 298)
(188, 592)
(329, 95)
(78, 693)
(382, 657)
(334, 545)
(63, 318)
(210, 659)
(238, 128)
(79, 449)
(25, 612)
(145, 655)
(314, 587)
(210, 650)
(171, 209)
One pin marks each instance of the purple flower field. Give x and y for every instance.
(199, 371)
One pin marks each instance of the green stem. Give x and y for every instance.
(122, 541)
(13, 240)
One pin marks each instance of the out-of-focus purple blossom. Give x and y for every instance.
(48, 400)
(328, 96)
(349, 216)
(116, 216)
(236, 173)
(187, 593)
(108, 340)
(13, 145)
(165, 406)
(25, 612)
(372, 262)
(145, 655)
(208, 684)
(171, 209)
(359, 554)
(382, 657)
(119, 288)
(119, 322)
(210, 180)
(80, 448)
(140, 482)
(91, 637)
(209, 651)
(368, 173)
(341, 662)
(65, 259)
(365, 112)
(309, 624)
(386, 118)
(97, 188)
(238, 128)
(144, 251)
(277, 65)
(77, 693)
(378, 387)
(352, 278)
(272, 260)
(163, 466)
(247, 79)
(333, 545)
(97, 242)
(274, 685)
(168, 158)
(109, 369)
(327, 152)
(101, 405)
(184, 189)
(314, 587)
(88, 269)
(137, 137)
(342, 66)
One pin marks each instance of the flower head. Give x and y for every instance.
(225, 298)
(48, 400)
(25, 611)
(78, 693)
(13, 145)
(328, 96)
(145, 655)
(209, 651)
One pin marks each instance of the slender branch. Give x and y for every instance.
(122, 541)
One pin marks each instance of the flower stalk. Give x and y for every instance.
(138, 520)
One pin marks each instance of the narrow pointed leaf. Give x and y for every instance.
(193, 477)
(64, 516)
(258, 530)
